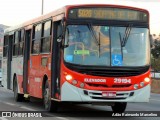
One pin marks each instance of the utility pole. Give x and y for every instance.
(42, 8)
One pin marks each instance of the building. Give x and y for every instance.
(2, 27)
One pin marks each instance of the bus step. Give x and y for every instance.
(26, 95)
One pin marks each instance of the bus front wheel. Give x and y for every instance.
(119, 107)
(48, 103)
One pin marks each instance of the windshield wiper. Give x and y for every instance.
(126, 35)
(93, 34)
(99, 44)
(66, 44)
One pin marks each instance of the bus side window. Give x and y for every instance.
(16, 43)
(5, 46)
(46, 34)
(21, 42)
(36, 38)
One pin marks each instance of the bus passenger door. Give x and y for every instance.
(9, 56)
(56, 58)
(34, 61)
(26, 60)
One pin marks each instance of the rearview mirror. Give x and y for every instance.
(60, 31)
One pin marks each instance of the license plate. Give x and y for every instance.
(109, 94)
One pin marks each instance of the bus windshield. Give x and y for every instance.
(106, 45)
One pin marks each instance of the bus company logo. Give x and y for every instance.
(94, 80)
(6, 114)
(21, 114)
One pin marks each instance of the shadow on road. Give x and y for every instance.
(70, 109)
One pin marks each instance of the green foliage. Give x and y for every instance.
(156, 49)
(155, 58)
(155, 63)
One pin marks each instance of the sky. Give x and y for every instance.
(14, 12)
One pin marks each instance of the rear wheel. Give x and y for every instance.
(119, 107)
(18, 97)
(49, 105)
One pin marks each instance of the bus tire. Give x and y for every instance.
(51, 106)
(17, 97)
(119, 107)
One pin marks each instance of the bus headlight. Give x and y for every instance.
(74, 82)
(69, 77)
(136, 86)
(141, 84)
(147, 79)
(82, 85)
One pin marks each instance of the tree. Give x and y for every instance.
(155, 64)
(156, 49)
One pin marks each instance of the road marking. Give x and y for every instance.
(2, 118)
(155, 99)
(20, 107)
(62, 118)
(9, 103)
(28, 108)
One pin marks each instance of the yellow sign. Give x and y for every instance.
(108, 14)
(84, 13)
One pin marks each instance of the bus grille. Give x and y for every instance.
(111, 73)
(108, 71)
(98, 95)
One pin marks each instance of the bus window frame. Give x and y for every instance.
(21, 41)
(5, 45)
(36, 39)
(16, 43)
(43, 37)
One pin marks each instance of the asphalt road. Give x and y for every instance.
(75, 112)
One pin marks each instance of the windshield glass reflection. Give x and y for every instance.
(103, 46)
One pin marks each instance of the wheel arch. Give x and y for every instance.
(45, 79)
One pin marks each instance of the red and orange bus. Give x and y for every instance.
(80, 54)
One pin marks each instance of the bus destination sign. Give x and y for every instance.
(108, 14)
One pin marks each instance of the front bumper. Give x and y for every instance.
(74, 94)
